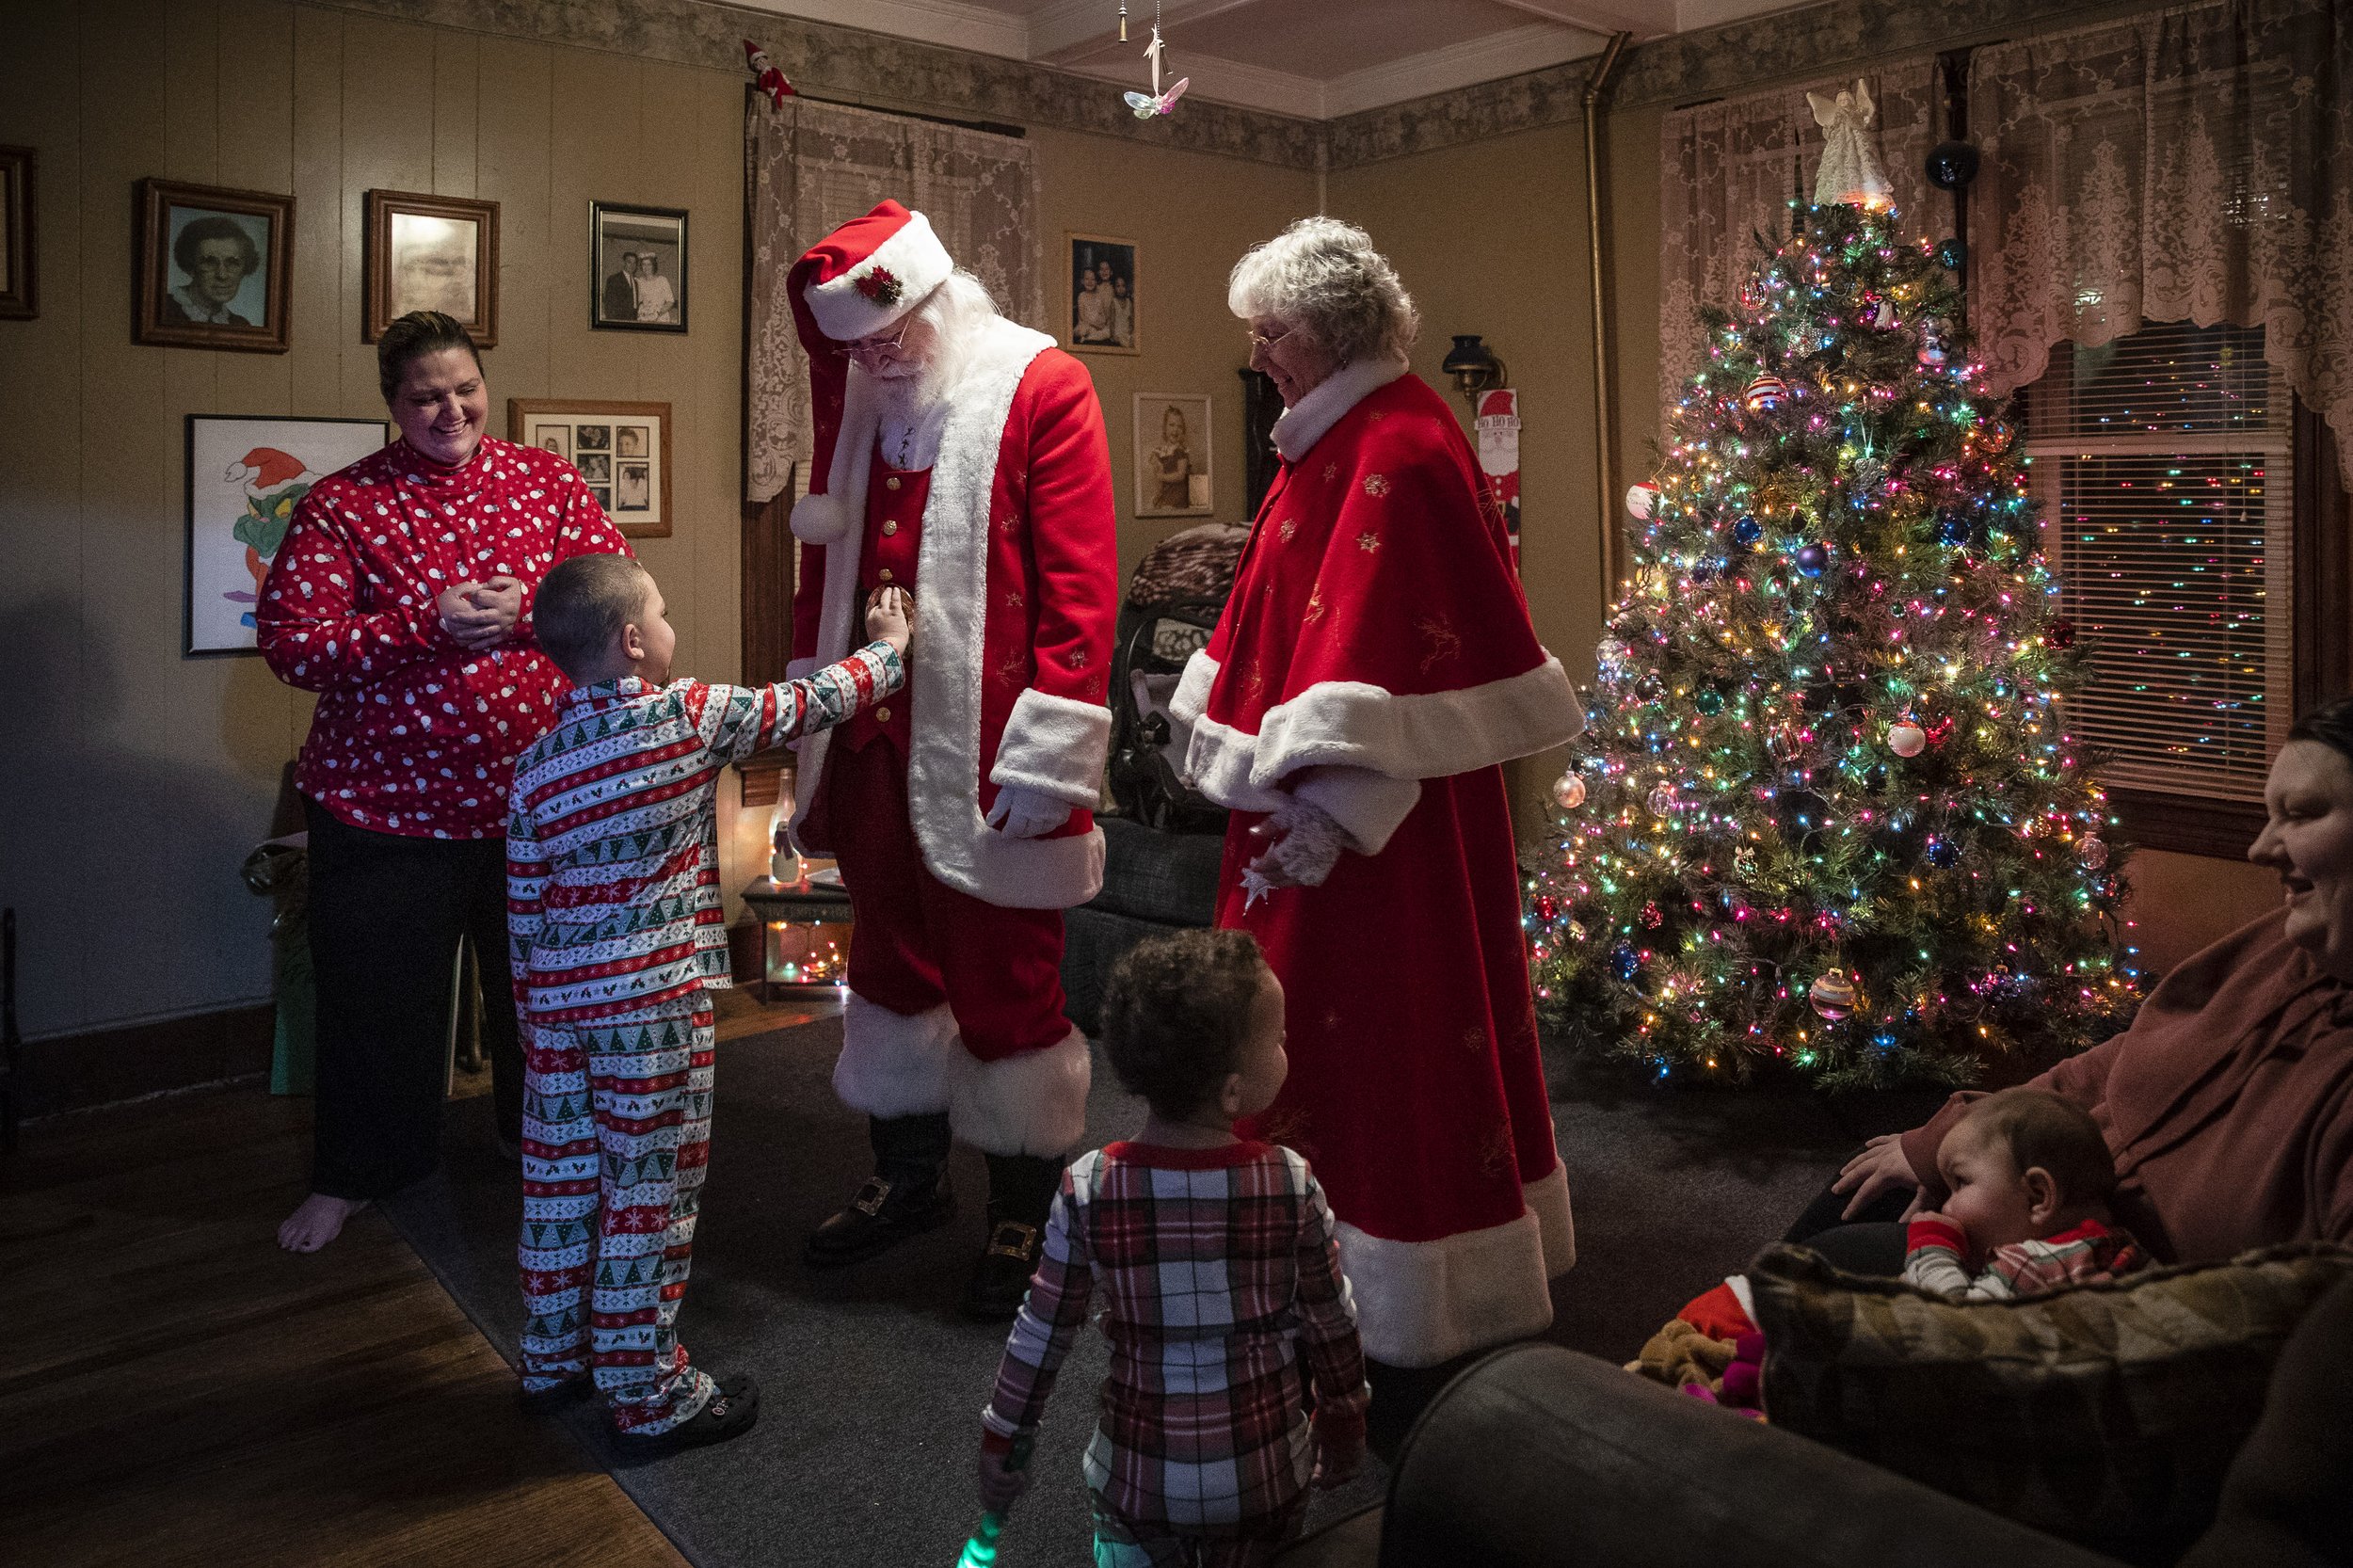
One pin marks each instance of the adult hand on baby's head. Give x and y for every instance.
(890, 617)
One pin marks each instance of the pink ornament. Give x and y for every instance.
(1568, 791)
(1906, 739)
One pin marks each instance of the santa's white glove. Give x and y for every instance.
(1305, 844)
(1021, 813)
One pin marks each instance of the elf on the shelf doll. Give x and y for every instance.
(962, 457)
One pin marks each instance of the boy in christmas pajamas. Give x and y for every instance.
(615, 924)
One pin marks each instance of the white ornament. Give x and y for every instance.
(1906, 739)
(1568, 791)
(2093, 851)
(1639, 500)
(1664, 802)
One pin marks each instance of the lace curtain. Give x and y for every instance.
(1729, 169)
(813, 166)
(2188, 165)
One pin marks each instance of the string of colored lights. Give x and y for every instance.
(1828, 810)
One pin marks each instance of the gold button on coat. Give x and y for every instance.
(885, 574)
(882, 715)
(891, 483)
(890, 528)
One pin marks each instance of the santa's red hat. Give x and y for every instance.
(852, 284)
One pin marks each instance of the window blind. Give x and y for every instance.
(2163, 464)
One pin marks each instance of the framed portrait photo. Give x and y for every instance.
(214, 267)
(636, 268)
(432, 253)
(621, 449)
(246, 476)
(1102, 294)
(19, 300)
(1173, 474)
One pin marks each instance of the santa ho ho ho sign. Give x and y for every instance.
(246, 476)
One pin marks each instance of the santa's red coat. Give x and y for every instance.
(1376, 659)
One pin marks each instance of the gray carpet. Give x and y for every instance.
(872, 1385)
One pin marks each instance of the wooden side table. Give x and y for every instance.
(777, 903)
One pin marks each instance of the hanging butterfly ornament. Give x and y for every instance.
(1155, 103)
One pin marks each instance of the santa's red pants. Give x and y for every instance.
(920, 943)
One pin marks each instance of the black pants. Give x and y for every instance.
(387, 911)
(1871, 1243)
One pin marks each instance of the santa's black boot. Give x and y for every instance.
(1021, 1190)
(906, 1195)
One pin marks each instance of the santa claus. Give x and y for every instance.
(1373, 670)
(962, 457)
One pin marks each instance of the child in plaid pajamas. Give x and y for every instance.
(613, 921)
(2028, 1176)
(1219, 1273)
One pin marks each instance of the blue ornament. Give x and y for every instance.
(1708, 699)
(1748, 530)
(1813, 560)
(1952, 254)
(1943, 853)
(1951, 527)
(1624, 963)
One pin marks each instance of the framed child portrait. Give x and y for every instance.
(621, 449)
(214, 267)
(636, 268)
(432, 253)
(246, 475)
(1172, 454)
(1101, 316)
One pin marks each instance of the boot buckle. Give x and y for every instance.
(1022, 1241)
(871, 1197)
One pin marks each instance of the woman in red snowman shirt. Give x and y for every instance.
(402, 596)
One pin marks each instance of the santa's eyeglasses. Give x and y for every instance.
(878, 349)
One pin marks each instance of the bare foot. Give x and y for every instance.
(319, 1221)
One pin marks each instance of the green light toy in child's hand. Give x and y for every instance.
(981, 1551)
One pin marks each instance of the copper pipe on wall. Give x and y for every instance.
(1612, 546)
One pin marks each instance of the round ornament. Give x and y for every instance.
(1906, 738)
(1952, 527)
(1547, 908)
(1952, 255)
(1943, 853)
(1653, 917)
(2060, 633)
(1765, 394)
(1639, 500)
(1568, 791)
(1577, 931)
(1611, 654)
(1650, 688)
(1952, 165)
(1709, 700)
(1663, 801)
(1625, 962)
(2093, 851)
(1932, 354)
(1748, 530)
(1833, 995)
(1812, 559)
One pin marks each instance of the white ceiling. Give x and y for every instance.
(1315, 58)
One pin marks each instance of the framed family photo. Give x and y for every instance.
(1102, 294)
(246, 476)
(1173, 472)
(19, 300)
(432, 253)
(214, 267)
(636, 268)
(621, 449)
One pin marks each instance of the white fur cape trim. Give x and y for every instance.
(1422, 1303)
(893, 1064)
(1034, 1103)
(1056, 745)
(912, 255)
(1311, 420)
(944, 681)
(1352, 724)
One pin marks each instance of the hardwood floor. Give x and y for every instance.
(175, 1389)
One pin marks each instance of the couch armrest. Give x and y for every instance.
(1538, 1457)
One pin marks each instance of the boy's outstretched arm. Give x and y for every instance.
(735, 722)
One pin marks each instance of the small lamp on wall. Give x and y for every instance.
(1474, 366)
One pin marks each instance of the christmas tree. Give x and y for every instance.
(1827, 812)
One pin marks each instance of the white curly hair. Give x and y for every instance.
(1322, 278)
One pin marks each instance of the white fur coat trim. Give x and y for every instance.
(1369, 806)
(894, 1063)
(1035, 1103)
(1352, 724)
(1299, 428)
(1420, 1303)
(1056, 745)
(944, 678)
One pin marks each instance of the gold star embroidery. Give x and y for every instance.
(1376, 484)
(1255, 685)
(1443, 642)
(1315, 603)
(1077, 659)
(1331, 471)
(1287, 530)
(1376, 416)
(1368, 541)
(1495, 1158)
(1009, 525)
(1475, 1039)
(1013, 670)
(1014, 601)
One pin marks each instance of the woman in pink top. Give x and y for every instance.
(402, 596)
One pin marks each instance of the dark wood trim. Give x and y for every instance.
(2151, 819)
(2324, 559)
(100, 1066)
(21, 300)
(767, 625)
